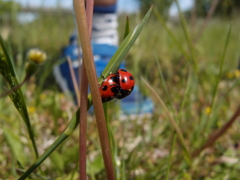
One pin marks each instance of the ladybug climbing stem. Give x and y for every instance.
(118, 85)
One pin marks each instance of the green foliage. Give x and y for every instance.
(8, 74)
(112, 66)
(7, 6)
(162, 6)
(225, 8)
(144, 147)
(15, 145)
(228, 8)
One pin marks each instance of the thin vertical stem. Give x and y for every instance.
(83, 125)
(84, 101)
(170, 155)
(94, 87)
(221, 67)
(209, 15)
(73, 77)
(187, 36)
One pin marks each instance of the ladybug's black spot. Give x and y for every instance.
(123, 70)
(114, 78)
(104, 88)
(114, 89)
(131, 77)
(123, 81)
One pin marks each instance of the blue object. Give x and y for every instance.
(135, 103)
(105, 9)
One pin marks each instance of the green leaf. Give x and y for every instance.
(70, 154)
(96, 165)
(15, 145)
(127, 28)
(8, 60)
(123, 49)
(57, 160)
(7, 71)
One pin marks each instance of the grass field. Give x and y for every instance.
(194, 86)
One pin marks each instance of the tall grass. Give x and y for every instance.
(144, 148)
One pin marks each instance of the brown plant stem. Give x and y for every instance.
(94, 87)
(209, 15)
(218, 133)
(73, 77)
(15, 88)
(83, 125)
(84, 101)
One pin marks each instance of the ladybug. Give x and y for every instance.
(109, 89)
(126, 83)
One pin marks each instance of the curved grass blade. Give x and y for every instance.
(210, 123)
(171, 34)
(170, 100)
(173, 123)
(220, 67)
(188, 39)
(67, 132)
(7, 71)
(127, 28)
(123, 49)
(112, 66)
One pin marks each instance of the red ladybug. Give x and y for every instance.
(109, 88)
(126, 83)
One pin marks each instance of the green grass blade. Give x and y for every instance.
(170, 100)
(112, 141)
(188, 89)
(123, 49)
(177, 43)
(67, 132)
(112, 66)
(15, 145)
(170, 156)
(219, 75)
(172, 121)
(220, 67)
(127, 28)
(8, 58)
(187, 36)
(7, 71)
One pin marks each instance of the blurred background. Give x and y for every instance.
(188, 59)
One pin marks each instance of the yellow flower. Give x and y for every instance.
(237, 73)
(208, 110)
(31, 109)
(37, 56)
